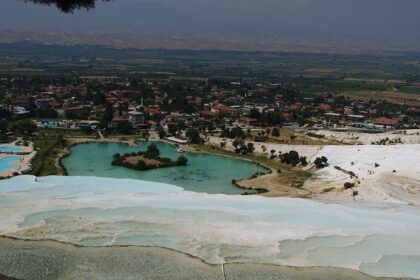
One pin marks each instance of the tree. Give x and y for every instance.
(294, 158)
(140, 165)
(181, 125)
(275, 132)
(124, 127)
(23, 126)
(161, 131)
(4, 114)
(233, 133)
(182, 161)
(152, 151)
(321, 162)
(86, 129)
(303, 161)
(172, 129)
(68, 6)
(193, 136)
(250, 148)
(291, 158)
(108, 115)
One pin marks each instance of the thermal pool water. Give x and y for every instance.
(378, 239)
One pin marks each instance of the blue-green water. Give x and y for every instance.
(204, 173)
(6, 163)
(10, 149)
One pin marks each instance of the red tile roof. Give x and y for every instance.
(386, 121)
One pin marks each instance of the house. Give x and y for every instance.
(206, 114)
(79, 110)
(296, 106)
(116, 121)
(355, 118)
(324, 107)
(222, 109)
(136, 119)
(386, 122)
(19, 111)
(247, 121)
(125, 93)
(88, 124)
(42, 104)
(414, 111)
(332, 116)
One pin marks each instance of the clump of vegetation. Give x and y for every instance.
(321, 162)
(256, 175)
(292, 158)
(194, 136)
(161, 131)
(314, 135)
(260, 138)
(145, 160)
(26, 127)
(387, 141)
(233, 133)
(275, 132)
(242, 148)
(348, 185)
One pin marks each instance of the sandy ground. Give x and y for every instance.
(271, 183)
(22, 166)
(55, 260)
(384, 173)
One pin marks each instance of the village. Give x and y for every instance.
(171, 107)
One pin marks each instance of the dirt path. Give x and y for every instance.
(271, 182)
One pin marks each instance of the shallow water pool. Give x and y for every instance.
(204, 173)
(6, 163)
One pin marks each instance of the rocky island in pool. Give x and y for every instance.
(146, 160)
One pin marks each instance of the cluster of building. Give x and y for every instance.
(214, 107)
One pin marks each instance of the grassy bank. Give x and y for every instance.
(48, 154)
(287, 175)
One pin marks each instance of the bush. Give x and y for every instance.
(314, 135)
(193, 136)
(321, 162)
(182, 161)
(275, 132)
(291, 158)
(23, 126)
(140, 165)
(260, 138)
(234, 133)
(161, 132)
(303, 161)
(124, 127)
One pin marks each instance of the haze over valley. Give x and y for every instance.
(302, 25)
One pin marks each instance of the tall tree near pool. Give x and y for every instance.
(193, 136)
(23, 126)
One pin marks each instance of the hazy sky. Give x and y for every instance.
(394, 20)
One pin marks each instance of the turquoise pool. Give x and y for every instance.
(6, 163)
(10, 149)
(49, 124)
(204, 173)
